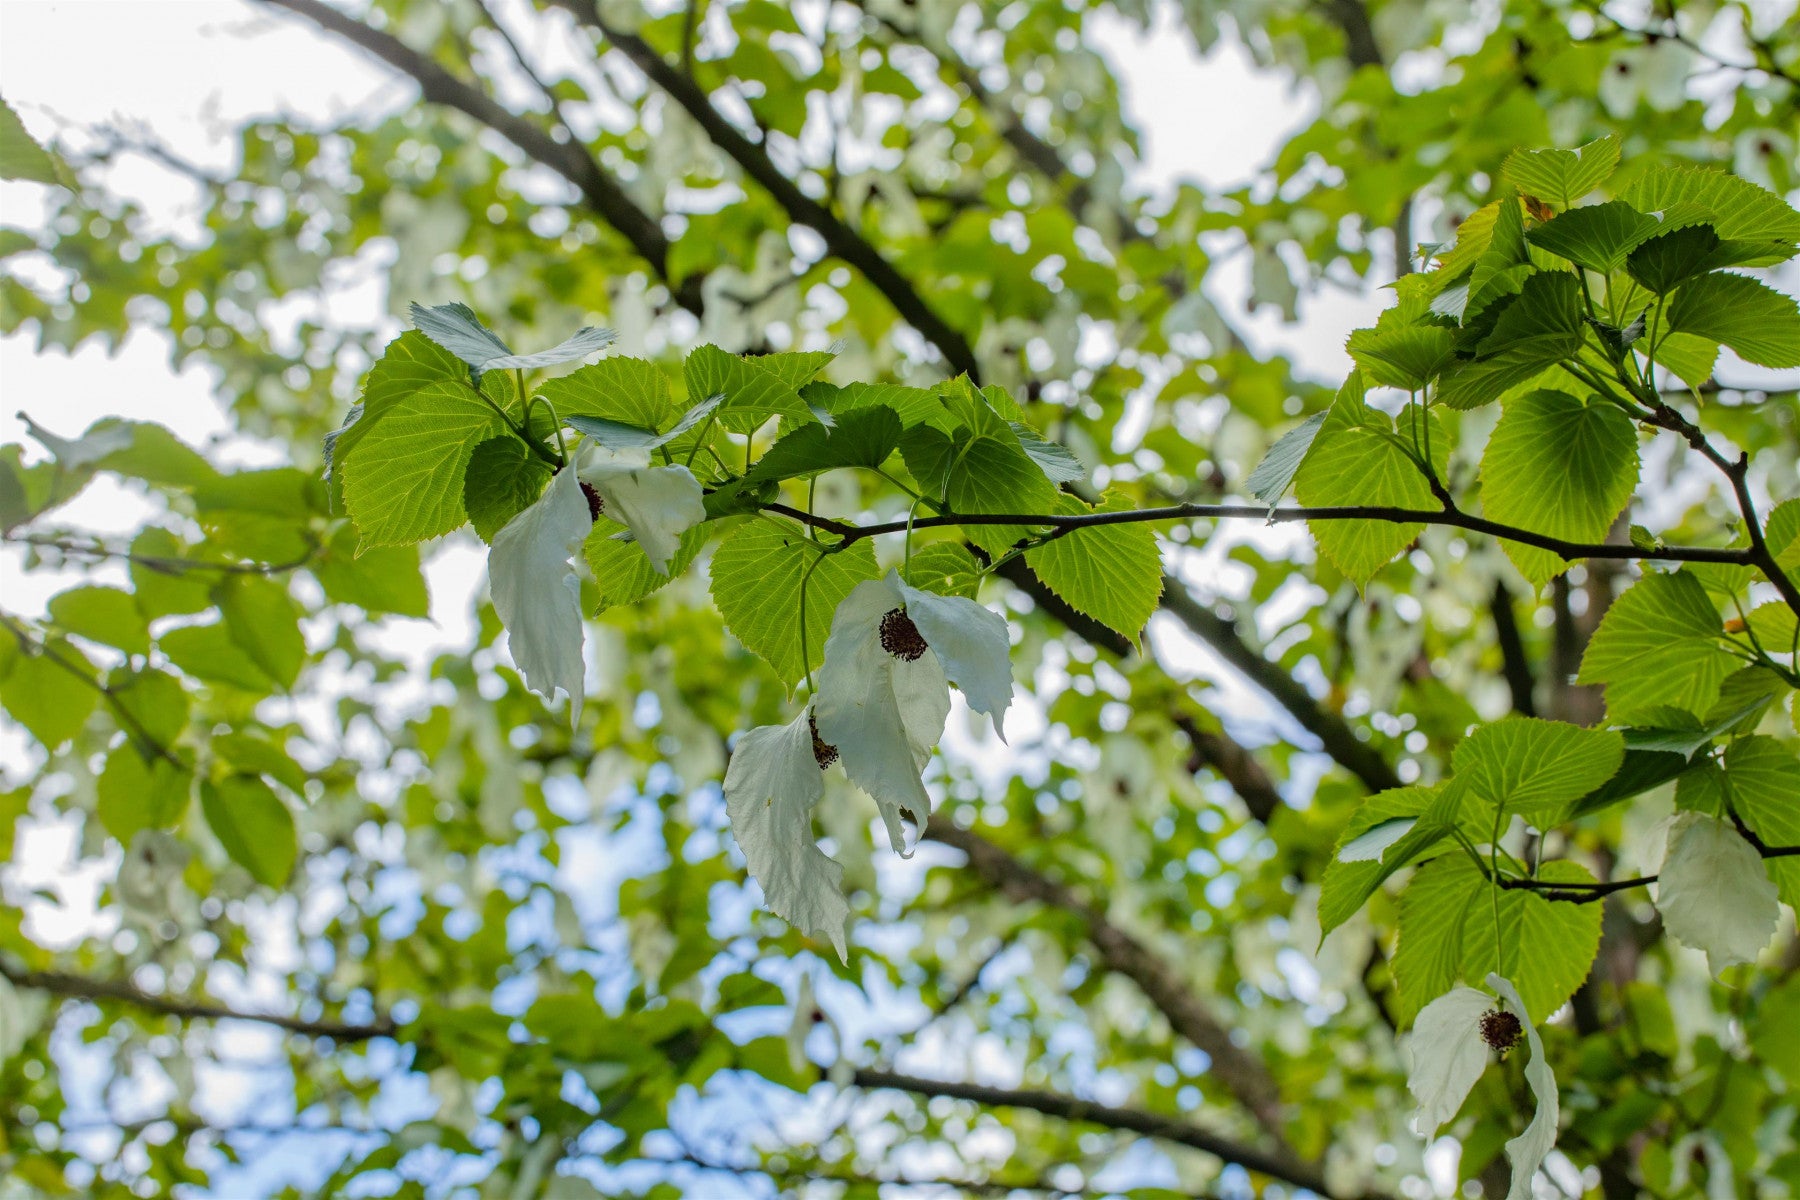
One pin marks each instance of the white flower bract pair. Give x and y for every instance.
(1450, 1052)
(531, 569)
(882, 700)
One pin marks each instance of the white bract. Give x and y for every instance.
(884, 688)
(771, 786)
(1449, 1054)
(536, 592)
(1527, 1152)
(658, 504)
(1714, 893)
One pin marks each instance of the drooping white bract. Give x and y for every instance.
(771, 786)
(536, 592)
(658, 504)
(1527, 1152)
(1714, 893)
(884, 688)
(1448, 1056)
(1450, 1051)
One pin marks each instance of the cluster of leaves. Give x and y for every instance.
(438, 441)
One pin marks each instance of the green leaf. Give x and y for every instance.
(1687, 357)
(1403, 356)
(409, 363)
(863, 437)
(1358, 458)
(622, 571)
(1754, 319)
(1504, 262)
(1559, 466)
(757, 573)
(1639, 771)
(457, 329)
(265, 624)
(1737, 209)
(1598, 236)
(135, 792)
(1775, 1030)
(981, 468)
(251, 754)
(753, 392)
(1113, 573)
(1539, 328)
(1660, 644)
(1536, 768)
(21, 157)
(1561, 177)
(1346, 885)
(1782, 533)
(405, 482)
(629, 391)
(502, 480)
(49, 691)
(1473, 238)
(1273, 476)
(1058, 462)
(1764, 778)
(1664, 263)
(102, 614)
(253, 825)
(946, 568)
(158, 457)
(915, 406)
(617, 435)
(1546, 947)
(209, 652)
(384, 580)
(1428, 957)
(154, 701)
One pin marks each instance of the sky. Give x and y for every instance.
(190, 71)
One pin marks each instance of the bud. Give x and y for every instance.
(901, 638)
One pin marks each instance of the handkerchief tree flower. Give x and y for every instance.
(1453, 1041)
(884, 690)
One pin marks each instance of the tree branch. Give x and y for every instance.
(1234, 763)
(1134, 1120)
(1278, 1165)
(599, 190)
(1241, 1073)
(754, 160)
(1515, 664)
(1453, 518)
(82, 987)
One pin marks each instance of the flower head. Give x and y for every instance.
(774, 781)
(1450, 1049)
(884, 691)
(658, 504)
